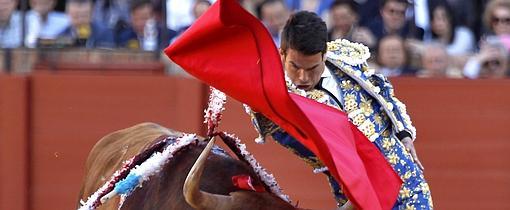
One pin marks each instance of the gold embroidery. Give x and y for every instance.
(315, 94)
(347, 85)
(314, 162)
(311, 161)
(358, 120)
(378, 119)
(393, 158)
(366, 106)
(388, 143)
(368, 128)
(405, 193)
(410, 207)
(357, 88)
(348, 52)
(424, 188)
(350, 102)
(406, 176)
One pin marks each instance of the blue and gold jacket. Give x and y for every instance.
(368, 99)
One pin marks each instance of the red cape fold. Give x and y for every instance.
(229, 49)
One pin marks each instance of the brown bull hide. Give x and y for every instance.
(164, 190)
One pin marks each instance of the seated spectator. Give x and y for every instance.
(10, 25)
(342, 18)
(274, 14)
(444, 28)
(393, 21)
(111, 12)
(43, 22)
(199, 8)
(143, 33)
(392, 57)
(497, 17)
(435, 62)
(490, 62)
(497, 20)
(82, 30)
(344, 23)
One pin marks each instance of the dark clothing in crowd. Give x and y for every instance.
(127, 38)
(368, 11)
(97, 36)
(409, 30)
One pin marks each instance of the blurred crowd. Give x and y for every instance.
(423, 38)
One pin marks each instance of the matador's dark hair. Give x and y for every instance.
(305, 32)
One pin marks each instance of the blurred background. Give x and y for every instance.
(73, 71)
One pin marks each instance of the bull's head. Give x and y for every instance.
(201, 200)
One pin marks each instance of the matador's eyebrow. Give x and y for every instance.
(299, 67)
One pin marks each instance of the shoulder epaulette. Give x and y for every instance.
(342, 50)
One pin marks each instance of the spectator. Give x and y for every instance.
(497, 17)
(199, 8)
(143, 33)
(497, 20)
(82, 30)
(490, 62)
(393, 21)
(343, 17)
(10, 25)
(444, 28)
(344, 23)
(111, 12)
(435, 62)
(392, 57)
(274, 14)
(43, 22)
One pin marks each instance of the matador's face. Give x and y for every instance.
(304, 70)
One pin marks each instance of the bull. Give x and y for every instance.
(208, 187)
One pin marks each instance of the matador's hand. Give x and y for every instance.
(408, 144)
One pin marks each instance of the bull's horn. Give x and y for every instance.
(197, 198)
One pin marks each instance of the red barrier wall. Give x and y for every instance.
(13, 143)
(462, 138)
(71, 113)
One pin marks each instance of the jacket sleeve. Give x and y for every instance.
(404, 124)
(263, 126)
